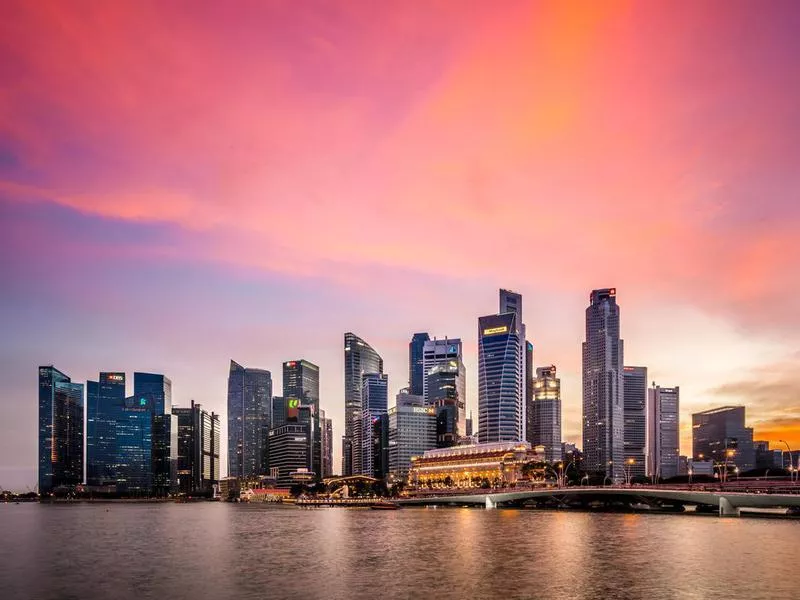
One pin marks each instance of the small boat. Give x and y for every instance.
(384, 506)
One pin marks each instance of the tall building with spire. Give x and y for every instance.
(416, 371)
(359, 358)
(603, 385)
(249, 409)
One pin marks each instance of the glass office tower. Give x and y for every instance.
(374, 403)
(104, 399)
(301, 380)
(500, 392)
(359, 358)
(416, 372)
(60, 430)
(165, 430)
(635, 395)
(249, 408)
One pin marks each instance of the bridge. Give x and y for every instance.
(727, 503)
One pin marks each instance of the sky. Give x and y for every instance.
(182, 184)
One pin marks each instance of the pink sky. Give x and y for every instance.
(181, 184)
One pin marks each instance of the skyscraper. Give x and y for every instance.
(105, 397)
(720, 435)
(499, 382)
(198, 449)
(529, 377)
(444, 388)
(165, 430)
(301, 380)
(412, 431)
(663, 431)
(512, 302)
(546, 408)
(603, 381)
(635, 399)
(326, 443)
(374, 404)
(60, 430)
(416, 373)
(249, 408)
(359, 358)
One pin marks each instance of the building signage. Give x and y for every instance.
(116, 377)
(422, 410)
(495, 330)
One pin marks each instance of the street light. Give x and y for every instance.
(628, 464)
(789, 450)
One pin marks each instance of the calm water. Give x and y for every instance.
(216, 550)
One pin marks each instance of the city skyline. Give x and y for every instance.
(150, 195)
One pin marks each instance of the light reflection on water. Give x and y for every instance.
(224, 551)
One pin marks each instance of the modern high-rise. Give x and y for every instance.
(663, 431)
(278, 414)
(635, 399)
(359, 358)
(198, 449)
(374, 404)
(500, 392)
(105, 398)
(288, 451)
(249, 409)
(529, 377)
(412, 431)
(546, 408)
(60, 430)
(416, 373)
(301, 380)
(720, 435)
(326, 442)
(603, 384)
(136, 435)
(511, 302)
(380, 446)
(445, 389)
(165, 430)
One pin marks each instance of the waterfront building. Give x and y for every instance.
(499, 380)
(480, 465)
(446, 392)
(198, 449)
(380, 446)
(436, 353)
(136, 435)
(104, 398)
(289, 451)
(720, 435)
(546, 408)
(511, 302)
(412, 431)
(374, 404)
(249, 408)
(635, 415)
(301, 380)
(359, 358)
(165, 430)
(529, 377)
(663, 432)
(603, 403)
(60, 430)
(416, 372)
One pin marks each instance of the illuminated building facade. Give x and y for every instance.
(416, 372)
(374, 401)
(446, 393)
(249, 409)
(546, 407)
(635, 396)
(359, 358)
(603, 381)
(289, 451)
(104, 397)
(412, 431)
(720, 435)
(499, 379)
(511, 302)
(301, 380)
(471, 466)
(60, 430)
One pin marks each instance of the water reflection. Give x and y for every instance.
(250, 551)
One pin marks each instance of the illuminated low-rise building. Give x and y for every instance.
(496, 463)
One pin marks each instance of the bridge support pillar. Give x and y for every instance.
(726, 509)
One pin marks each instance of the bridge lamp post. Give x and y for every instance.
(736, 472)
(690, 476)
(789, 450)
(585, 477)
(628, 464)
